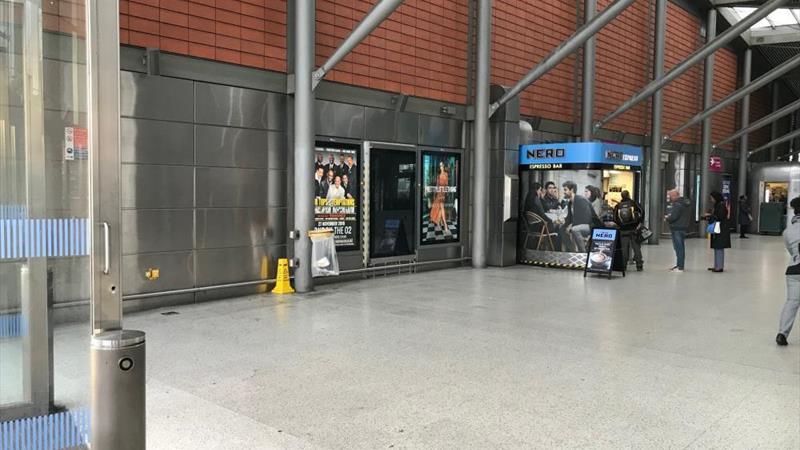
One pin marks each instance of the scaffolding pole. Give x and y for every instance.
(711, 46)
(566, 48)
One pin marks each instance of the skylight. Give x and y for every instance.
(781, 17)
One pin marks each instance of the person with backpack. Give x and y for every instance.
(791, 238)
(628, 217)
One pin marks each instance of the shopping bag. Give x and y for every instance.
(324, 262)
(710, 228)
(717, 229)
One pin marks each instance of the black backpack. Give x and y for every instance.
(628, 214)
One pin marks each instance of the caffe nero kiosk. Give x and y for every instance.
(566, 190)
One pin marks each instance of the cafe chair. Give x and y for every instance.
(532, 222)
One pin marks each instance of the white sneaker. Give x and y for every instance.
(676, 269)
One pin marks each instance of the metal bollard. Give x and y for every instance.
(118, 390)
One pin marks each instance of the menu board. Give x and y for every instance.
(337, 192)
(603, 253)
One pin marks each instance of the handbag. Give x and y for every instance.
(644, 233)
(713, 228)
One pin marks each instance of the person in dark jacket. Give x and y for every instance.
(679, 219)
(722, 240)
(745, 217)
(628, 217)
(580, 217)
(791, 238)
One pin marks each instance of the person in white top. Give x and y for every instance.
(336, 191)
(791, 237)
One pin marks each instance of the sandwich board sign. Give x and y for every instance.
(605, 253)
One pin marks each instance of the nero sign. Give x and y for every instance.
(580, 155)
(604, 255)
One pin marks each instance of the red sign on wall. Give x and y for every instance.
(715, 164)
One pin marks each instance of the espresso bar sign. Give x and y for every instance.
(546, 153)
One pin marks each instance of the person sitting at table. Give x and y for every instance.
(534, 204)
(580, 217)
(550, 201)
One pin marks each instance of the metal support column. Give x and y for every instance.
(656, 193)
(587, 105)
(773, 134)
(747, 66)
(566, 48)
(708, 100)
(480, 186)
(711, 46)
(303, 142)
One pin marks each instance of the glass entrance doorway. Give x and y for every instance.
(393, 202)
(44, 199)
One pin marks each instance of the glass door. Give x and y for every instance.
(393, 202)
(44, 202)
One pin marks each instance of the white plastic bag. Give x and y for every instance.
(324, 262)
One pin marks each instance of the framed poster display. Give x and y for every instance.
(441, 178)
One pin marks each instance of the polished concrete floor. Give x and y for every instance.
(520, 357)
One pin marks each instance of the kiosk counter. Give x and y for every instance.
(567, 190)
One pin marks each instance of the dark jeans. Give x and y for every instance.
(629, 242)
(743, 230)
(679, 243)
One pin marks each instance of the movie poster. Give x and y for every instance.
(337, 194)
(440, 197)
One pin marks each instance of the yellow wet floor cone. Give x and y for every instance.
(282, 283)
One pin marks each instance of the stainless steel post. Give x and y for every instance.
(708, 100)
(587, 105)
(303, 142)
(480, 186)
(773, 134)
(747, 70)
(118, 390)
(656, 193)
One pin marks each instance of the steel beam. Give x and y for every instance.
(480, 185)
(747, 72)
(785, 138)
(746, 90)
(708, 100)
(656, 193)
(303, 142)
(764, 121)
(587, 105)
(711, 46)
(566, 48)
(372, 20)
(773, 134)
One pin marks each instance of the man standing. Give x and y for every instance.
(628, 217)
(679, 219)
(578, 224)
(745, 217)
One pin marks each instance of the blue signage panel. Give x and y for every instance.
(579, 154)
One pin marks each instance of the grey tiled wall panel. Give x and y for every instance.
(156, 142)
(153, 97)
(176, 271)
(148, 186)
(157, 230)
(231, 147)
(226, 187)
(238, 107)
(230, 265)
(231, 227)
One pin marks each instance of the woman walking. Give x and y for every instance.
(722, 239)
(791, 237)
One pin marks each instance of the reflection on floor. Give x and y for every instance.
(521, 357)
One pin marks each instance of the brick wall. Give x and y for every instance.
(64, 16)
(247, 32)
(683, 98)
(420, 50)
(760, 106)
(724, 122)
(624, 66)
(523, 33)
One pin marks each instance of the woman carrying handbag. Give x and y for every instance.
(719, 229)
